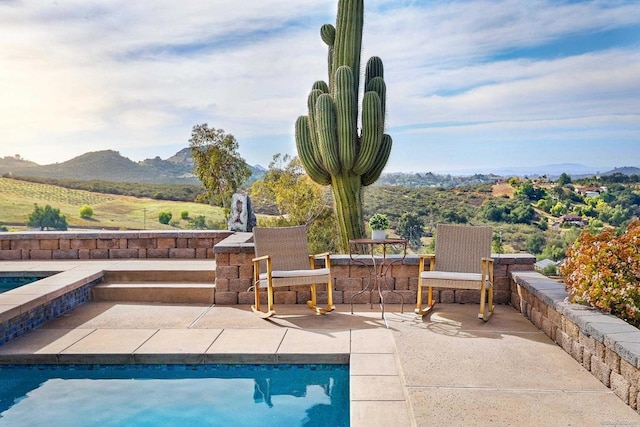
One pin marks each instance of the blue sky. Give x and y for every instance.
(471, 85)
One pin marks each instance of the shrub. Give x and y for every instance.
(184, 215)
(86, 211)
(164, 217)
(603, 271)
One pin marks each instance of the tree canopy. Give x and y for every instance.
(217, 163)
(47, 218)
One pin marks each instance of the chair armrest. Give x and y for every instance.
(261, 258)
(256, 266)
(325, 255)
(489, 260)
(430, 257)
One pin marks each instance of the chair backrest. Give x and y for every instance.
(287, 247)
(459, 248)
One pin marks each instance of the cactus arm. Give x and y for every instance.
(371, 133)
(305, 149)
(346, 104)
(327, 135)
(373, 174)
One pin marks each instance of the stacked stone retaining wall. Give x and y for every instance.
(44, 245)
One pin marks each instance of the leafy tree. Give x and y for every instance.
(217, 163)
(298, 201)
(164, 217)
(563, 180)
(47, 218)
(535, 243)
(86, 211)
(411, 227)
(558, 209)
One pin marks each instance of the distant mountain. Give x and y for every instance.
(627, 170)
(110, 165)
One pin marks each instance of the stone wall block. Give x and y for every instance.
(572, 329)
(246, 271)
(50, 244)
(226, 298)
(612, 359)
(620, 387)
(564, 341)
(123, 253)
(222, 284)
(65, 254)
(142, 243)
(339, 271)
(84, 253)
(284, 297)
(577, 350)
(630, 373)
(157, 253)
(586, 359)
(182, 243)
(200, 243)
(228, 271)
(352, 296)
(99, 254)
(239, 285)
(41, 254)
(467, 296)
(106, 243)
(165, 243)
(26, 244)
(352, 284)
(444, 297)
(248, 298)
(222, 259)
(182, 253)
(601, 371)
(83, 243)
(241, 258)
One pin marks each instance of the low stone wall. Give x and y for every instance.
(43, 245)
(605, 345)
(234, 274)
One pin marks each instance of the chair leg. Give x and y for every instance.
(486, 307)
(256, 308)
(312, 303)
(430, 302)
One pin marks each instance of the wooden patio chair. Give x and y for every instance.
(462, 260)
(282, 259)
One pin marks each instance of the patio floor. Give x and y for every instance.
(446, 369)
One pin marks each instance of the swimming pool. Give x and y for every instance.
(11, 282)
(157, 395)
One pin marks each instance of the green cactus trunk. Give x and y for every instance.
(329, 146)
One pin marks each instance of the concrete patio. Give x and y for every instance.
(448, 369)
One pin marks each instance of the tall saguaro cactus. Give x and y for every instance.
(329, 145)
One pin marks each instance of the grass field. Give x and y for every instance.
(17, 200)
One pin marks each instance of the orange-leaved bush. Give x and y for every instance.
(603, 271)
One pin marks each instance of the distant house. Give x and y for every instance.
(574, 220)
(544, 263)
(590, 191)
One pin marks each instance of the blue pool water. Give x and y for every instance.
(174, 395)
(11, 282)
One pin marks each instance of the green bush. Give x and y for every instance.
(164, 217)
(603, 270)
(184, 215)
(86, 212)
(47, 218)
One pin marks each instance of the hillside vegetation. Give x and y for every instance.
(17, 200)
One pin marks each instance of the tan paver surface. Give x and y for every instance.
(447, 369)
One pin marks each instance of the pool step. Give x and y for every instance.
(179, 293)
(180, 287)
